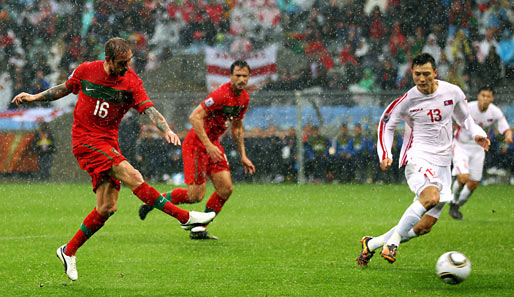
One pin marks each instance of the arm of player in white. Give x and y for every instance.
(386, 128)
(465, 121)
(503, 126)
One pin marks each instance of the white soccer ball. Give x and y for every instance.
(453, 267)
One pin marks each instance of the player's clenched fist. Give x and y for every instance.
(385, 164)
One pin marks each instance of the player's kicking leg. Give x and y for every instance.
(177, 196)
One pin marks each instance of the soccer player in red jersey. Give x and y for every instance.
(106, 91)
(202, 154)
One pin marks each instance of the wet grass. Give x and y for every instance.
(275, 240)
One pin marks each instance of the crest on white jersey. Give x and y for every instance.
(209, 102)
(385, 118)
(448, 102)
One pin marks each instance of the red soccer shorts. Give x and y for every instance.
(97, 159)
(198, 165)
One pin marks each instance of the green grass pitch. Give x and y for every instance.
(275, 240)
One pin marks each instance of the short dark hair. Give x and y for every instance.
(422, 59)
(116, 46)
(240, 64)
(486, 88)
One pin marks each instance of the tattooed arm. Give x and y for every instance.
(51, 94)
(160, 122)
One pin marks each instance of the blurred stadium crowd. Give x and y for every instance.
(350, 156)
(347, 44)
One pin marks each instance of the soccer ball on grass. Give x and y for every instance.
(453, 267)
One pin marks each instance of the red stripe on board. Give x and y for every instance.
(263, 70)
(10, 114)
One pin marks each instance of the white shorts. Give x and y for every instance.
(421, 174)
(468, 159)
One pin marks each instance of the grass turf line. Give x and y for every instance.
(275, 240)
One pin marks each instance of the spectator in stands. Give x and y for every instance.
(459, 17)
(359, 154)
(377, 29)
(443, 67)
(288, 154)
(415, 44)
(492, 67)
(341, 155)
(461, 45)
(506, 52)
(485, 45)
(387, 75)
(456, 72)
(166, 36)
(273, 147)
(44, 146)
(361, 52)
(398, 47)
(506, 158)
(336, 81)
(316, 155)
(367, 82)
(431, 47)
(497, 16)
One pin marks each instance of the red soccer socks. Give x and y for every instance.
(177, 196)
(215, 203)
(93, 222)
(153, 198)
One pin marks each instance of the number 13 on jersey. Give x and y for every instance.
(435, 115)
(101, 109)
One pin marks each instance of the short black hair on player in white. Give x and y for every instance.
(240, 64)
(422, 59)
(486, 88)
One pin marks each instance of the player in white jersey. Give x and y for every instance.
(427, 110)
(468, 157)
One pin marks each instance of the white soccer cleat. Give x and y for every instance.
(70, 264)
(197, 218)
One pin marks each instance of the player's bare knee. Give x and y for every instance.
(135, 178)
(195, 198)
(462, 178)
(106, 210)
(225, 192)
(429, 197)
(472, 185)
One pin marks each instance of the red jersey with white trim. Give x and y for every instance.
(103, 101)
(493, 116)
(428, 124)
(222, 107)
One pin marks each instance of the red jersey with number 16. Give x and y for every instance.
(103, 101)
(223, 106)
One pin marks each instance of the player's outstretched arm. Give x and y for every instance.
(197, 121)
(160, 122)
(238, 136)
(51, 94)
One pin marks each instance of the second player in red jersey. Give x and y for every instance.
(202, 154)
